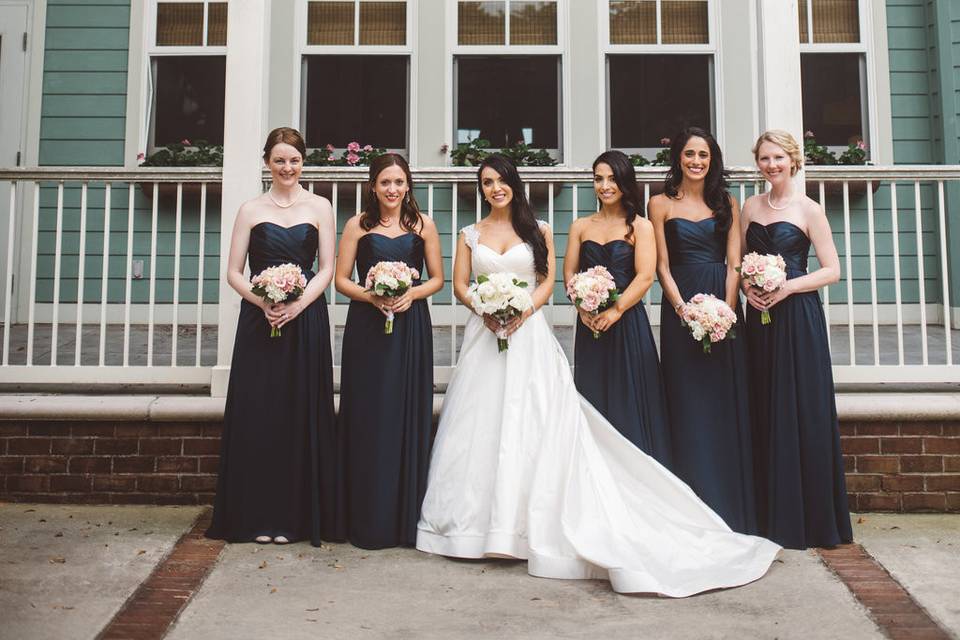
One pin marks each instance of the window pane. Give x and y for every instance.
(180, 24)
(633, 22)
(533, 23)
(684, 22)
(383, 23)
(330, 22)
(836, 21)
(217, 24)
(357, 98)
(481, 23)
(802, 17)
(648, 103)
(507, 99)
(189, 99)
(832, 106)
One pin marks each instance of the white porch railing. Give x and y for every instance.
(111, 275)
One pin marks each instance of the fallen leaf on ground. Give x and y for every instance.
(140, 552)
(57, 560)
(274, 590)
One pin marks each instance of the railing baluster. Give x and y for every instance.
(128, 279)
(848, 259)
(648, 296)
(8, 274)
(32, 302)
(151, 302)
(176, 276)
(454, 233)
(430, 215)
(359, 198)
(332, 303)
(57, 258)
(78, 338)
(895, 231)
(873, 274)
(105, 275)
(574, 196)
(920, 276)
(947, 320)
(200, 266)
(826, 289)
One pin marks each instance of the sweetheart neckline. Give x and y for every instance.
(299, 224)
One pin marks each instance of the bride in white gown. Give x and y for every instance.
(523, 467)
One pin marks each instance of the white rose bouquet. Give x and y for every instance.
(501, 295)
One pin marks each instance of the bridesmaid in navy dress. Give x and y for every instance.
(386, 384)
(619, 373)
(802, 497)
(278, 460)
(698, 250)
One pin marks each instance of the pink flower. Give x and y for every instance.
(331, 157)
(665, 141)
(367, 147)
(141, 156)
(750, 269)
(353, 147)
(352, 158)
(331, 148)
(808, 134)
(186, 142)
(444, 148)
(861, 145)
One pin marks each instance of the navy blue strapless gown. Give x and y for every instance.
(707, 392)
(386, 406)
(801, 490)
(619, 372)
(279, 458)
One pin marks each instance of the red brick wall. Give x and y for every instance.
(891, 466)
(114, 463)
(902, 466)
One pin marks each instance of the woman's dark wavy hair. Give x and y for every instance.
(409, 208)
(521, 215)
(626, 178)
(716, 194)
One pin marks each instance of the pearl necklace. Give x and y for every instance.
(770, 203)
(289, 204)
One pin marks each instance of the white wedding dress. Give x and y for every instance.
(524, 467)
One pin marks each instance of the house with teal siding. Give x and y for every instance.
(112, 263)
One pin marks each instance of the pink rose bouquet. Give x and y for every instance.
(767, 272)
(390, 280)
(279, 284)
(709, 319)
(593, 290)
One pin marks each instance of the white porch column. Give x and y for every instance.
(778, 52)
(244, 126)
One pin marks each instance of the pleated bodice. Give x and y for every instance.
(272, 244)
(694, 242)
(376, 247)
(784, 238)
(616, 256)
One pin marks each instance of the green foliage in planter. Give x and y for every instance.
(185, 154)
(472, 153)
(816, 153)
(353, 156)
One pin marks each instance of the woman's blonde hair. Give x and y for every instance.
(785, 141)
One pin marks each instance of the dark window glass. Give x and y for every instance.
(508, 99)
(189, 99)
(832, 106)
(654, 96)
(357, 98)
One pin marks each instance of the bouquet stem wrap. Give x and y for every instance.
(390, 280)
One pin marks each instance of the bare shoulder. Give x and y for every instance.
(352, 227)
(319, 202)
(545, 229)
(642, 225)
(427, 223)
(658, 206)
(249, 211)
(576, 227)
(813, 213)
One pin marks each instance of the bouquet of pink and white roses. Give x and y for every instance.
(767, 272)
(279, 284)
(390, 280)
(501, 295)
(708, 318)
(593, 290)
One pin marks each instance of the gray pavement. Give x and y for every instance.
(65, 570)
(69, 585)
(922, 552)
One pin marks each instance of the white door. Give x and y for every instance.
(13, 58)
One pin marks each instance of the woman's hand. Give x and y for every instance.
(287, 311)
(586, 318)
(382, 303)
(271, 312)
(755, 298)
(772, 298)
(401, 303)
(679, 309)
(492, 323)
(517, 321)
(606, 319)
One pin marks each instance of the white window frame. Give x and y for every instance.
(303, 49)
(868, 82)
(152, 50)
(561, 49)
(711, 48)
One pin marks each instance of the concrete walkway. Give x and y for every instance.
(66, 570)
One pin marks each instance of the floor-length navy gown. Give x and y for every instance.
(386, 406)
(801, 490)
(707, 394)
(279, 455)
(619, 372)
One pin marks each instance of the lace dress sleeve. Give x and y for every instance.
(471, 236)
